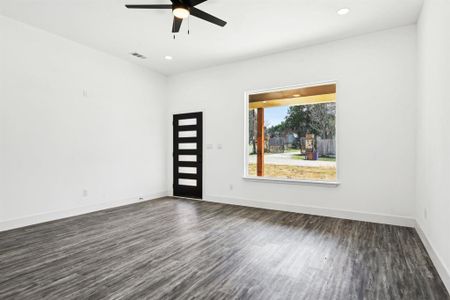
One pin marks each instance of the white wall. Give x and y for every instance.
(56, 142)
(376, 76)
(433, 141)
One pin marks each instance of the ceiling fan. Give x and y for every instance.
(181, 9)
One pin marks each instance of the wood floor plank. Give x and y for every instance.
(183, 249)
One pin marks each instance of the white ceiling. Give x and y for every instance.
(255, 27)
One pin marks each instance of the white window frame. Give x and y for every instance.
(285, 180)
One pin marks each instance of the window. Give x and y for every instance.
(292, 134)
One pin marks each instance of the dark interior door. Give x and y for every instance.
(188, 155)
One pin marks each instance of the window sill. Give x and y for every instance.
(290, 181)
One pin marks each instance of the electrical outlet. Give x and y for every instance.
(231, 187)
(85, 193)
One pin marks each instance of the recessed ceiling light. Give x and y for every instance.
(343, 11)
(296, 95)
(168, 57)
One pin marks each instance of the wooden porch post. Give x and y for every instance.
(260, 142)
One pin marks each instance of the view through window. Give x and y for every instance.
(292, 134)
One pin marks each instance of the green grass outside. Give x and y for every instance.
(298, 156)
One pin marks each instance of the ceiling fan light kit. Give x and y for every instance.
(182, 9)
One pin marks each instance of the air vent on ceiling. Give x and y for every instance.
(138, 55)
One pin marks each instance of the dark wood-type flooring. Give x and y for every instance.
(185, 249)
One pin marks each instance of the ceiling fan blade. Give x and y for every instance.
(176, 24)
(197, 2)
(207, 17)
(149, 6)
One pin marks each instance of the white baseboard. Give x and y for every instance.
(319, 211)
(55, 215)
(439, 264)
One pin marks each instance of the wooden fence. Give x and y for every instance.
(326, 147)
